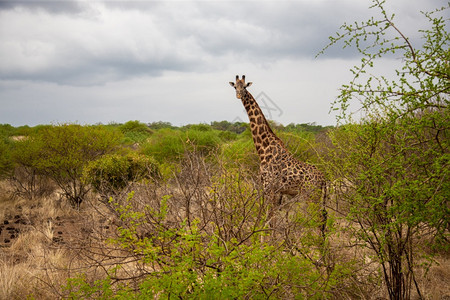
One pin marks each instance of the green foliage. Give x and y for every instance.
(160, 125)
(169, 145)
(61, 152)
(165, 145)
(397, 180)
(240, 153)
(113, 172)
(394, 165)
(305, 127)
(6, 165)
(26, 177)
(300, 143)
(6, 131)
(26, 130)
(135, 131)
(226, 136)
(237, 127)
(211, 261)
(134, 126)
(420, 83)
(78, 288)
(202, 139)
(197, 127)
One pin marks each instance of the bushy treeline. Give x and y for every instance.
(163, 134)
(33, 156)
(187, 199)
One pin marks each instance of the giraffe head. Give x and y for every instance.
(240, 86)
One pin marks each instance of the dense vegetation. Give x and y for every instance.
(189, 194)
(189, 216)
(395, 163)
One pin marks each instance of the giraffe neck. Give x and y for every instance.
(263, 136)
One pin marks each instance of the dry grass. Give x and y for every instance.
(25, 266)
(7, 201)
(36, 265)
(15, 280)
(33, 264)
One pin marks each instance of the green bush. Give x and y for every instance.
(61, 152)
(6, 164)
(300, 143)
(26, 130)
(6, 131)
(198, 127)
(165, 145)
(305, 127)
(236, 127)
(135, 132)
(202, 139)
(226, 136)
(27, 178)
(160, 125)
(240, 152)
(394, 164)
(113, 172)
(219, 253)
(135, 126)
(169, 145)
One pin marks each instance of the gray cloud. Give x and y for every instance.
(81, 43)
(92, 61)
(52, 6)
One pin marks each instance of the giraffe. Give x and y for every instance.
(281, 173)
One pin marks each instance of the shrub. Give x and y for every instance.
(165, 145)
(209, 240)
(305, 127)
(240, 152)
(301, 144)
(236, 127)
(6, 131)
(394, 164)
(134, 126)
(160, 125)
(61, 152)
(202, 138)
(6, 165)
(198, 127)
(135, 131)
(27, 177)
(113, 172)
(168, 145)
(226, 136)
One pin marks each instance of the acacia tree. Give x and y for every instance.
(61, 152)
(26, 178)
(5, 158)
(111, 174)
(6, 131)
(394, 163)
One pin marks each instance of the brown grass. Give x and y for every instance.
(34, 264)
(59, 242)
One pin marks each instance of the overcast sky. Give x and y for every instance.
(114, 61)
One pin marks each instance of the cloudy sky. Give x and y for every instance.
(114, 61)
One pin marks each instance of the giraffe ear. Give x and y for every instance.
(232, 84)
(248, 84)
